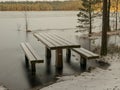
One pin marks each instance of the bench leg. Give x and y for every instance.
(59, 60)
(83, 63)
(68, 55)
(26, 61)
(48, 53)
(33, 68)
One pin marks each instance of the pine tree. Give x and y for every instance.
(86, 15)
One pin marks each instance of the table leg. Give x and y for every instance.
(83, 63)
(33, 67)
(48, 53)
(59, 59)
(68, 55)
(26, 61)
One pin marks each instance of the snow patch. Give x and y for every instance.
(98, 79)
(3, 88)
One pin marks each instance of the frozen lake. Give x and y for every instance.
(13, 73)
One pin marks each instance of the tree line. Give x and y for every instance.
(39, 6)
(48, 6)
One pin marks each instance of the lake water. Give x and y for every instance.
(13, 73)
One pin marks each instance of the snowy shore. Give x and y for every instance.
(97, 79)
(3, 88)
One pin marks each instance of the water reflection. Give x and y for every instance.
(33, 80)
(74, 65)
(48, 65)
(26, 36)
(58, 72)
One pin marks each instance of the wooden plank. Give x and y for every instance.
(86, 53)
(60, 39)
(82, 53)
(89, 52)
(55, 43)
(75, 45)
(33, 52)
(91, 56)
(54, 39)
(44, 41)
(64, 39)
(62, 46)
(27, 52)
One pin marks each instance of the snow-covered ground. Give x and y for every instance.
(97, 79)
(3, 88)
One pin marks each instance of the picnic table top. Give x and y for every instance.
(55, 41)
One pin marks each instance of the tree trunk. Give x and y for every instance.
(26, 17)
(116, 14)
(108, 12)
(104, 29)
(90, 18)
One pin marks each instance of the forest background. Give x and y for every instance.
(49, 6)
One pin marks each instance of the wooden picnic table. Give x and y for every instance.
(53, 41)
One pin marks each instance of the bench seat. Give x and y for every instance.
(31, 56)
(85, 55)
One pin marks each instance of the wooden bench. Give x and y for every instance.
(85, 55)
(31, 56)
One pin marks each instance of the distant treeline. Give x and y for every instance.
(40, 6)
(47, 6)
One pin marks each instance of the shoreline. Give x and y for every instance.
(97, 79)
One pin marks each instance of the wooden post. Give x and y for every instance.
(48, 53)
(26, 61)
(83, 63)
(59, 60)
(33, 68)
(68, 55)
(48, 67)
(48, 61)
(58, 72)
